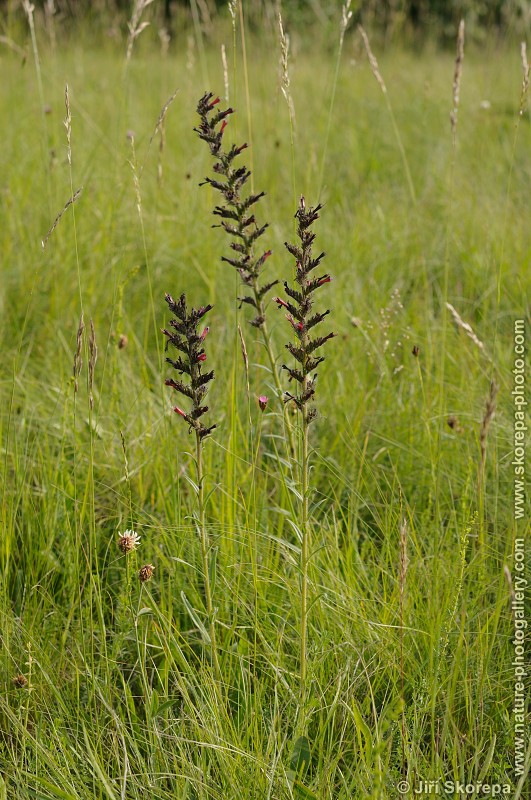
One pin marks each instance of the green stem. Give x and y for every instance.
(305, 549)
(274, 370)
(205, 547)
(278, 386)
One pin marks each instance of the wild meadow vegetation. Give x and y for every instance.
(288, 604)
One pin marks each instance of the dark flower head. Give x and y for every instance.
(235, 210)
(146, 573)
(299, 308)
(188, 341)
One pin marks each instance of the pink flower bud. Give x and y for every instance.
(281, 303)
(179, 411)
(213, 103)
(324, 279)
(201, 357)
(204, 334)
(223, 126)
(262, 401)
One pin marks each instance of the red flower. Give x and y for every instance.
(324, 279)
(297, 325)
(201, 357)
(223, 126)
(281, 303)
(204, 334)
(179, 411)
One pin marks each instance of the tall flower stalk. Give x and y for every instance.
(238, 220)
(185, 338)
(303, 321)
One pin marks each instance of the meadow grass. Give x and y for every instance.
(408, 669)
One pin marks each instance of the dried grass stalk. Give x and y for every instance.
(490, 409)
(457, 75)
(225, 71)
(525, 80)
(372, 60)
(135, 26)
(466, 327)
(78, 360)
(284, 68)
(93, 357)
(57, 220)
(68, 127)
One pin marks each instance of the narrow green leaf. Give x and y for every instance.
(168, 704)
(50, 787)
(363, 731)
(96, 766)
(300, 757)
(212, 568)
(195, 619)
(302, 792)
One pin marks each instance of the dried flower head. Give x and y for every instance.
(128, 541)
(20, 681)
(299, 308)
(186, 338)
(235, 216)
(146, 573)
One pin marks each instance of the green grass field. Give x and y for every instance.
(410, 673)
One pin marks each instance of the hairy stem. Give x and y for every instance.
(205, 547)
(278, 386)
(305, 551)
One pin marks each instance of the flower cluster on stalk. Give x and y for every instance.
(185, 337)
(236, 217)
(299, 308)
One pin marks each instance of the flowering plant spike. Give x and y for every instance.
(299, 307)
(236, 218)
(188, 341)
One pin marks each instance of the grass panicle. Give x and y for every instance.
(456, 86)
(488, 416)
